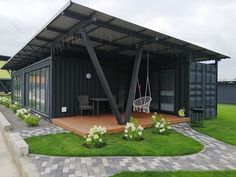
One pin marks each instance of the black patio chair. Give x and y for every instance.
(84, 104)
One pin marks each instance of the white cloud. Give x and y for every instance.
(209, 23)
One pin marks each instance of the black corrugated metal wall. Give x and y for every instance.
(181, 74)
(202, 90)
(69, 81)
(196, 81)
(227, 93)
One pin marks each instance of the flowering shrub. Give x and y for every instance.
(5, 101)
(32, 119)
(160, 125)
(27, 117)
(14, 107)
(21, 113)
(181, 112)
(96, 137)
(133, 131)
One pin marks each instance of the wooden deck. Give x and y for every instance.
(82, 124)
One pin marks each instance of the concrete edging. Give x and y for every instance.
(19, 149)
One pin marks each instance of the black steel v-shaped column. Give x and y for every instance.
(133, 84)
(102, 78)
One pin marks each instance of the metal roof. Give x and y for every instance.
(4, 58)
(106, 32)
(227, 82)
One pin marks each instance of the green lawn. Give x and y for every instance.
(4, 73)
(223, 127)
(178, 174)
(68, 144)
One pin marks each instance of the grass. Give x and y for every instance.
(69, 144)
(223, 127)
(178, 174)
(3, 73)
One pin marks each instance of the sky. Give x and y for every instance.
(208, 23)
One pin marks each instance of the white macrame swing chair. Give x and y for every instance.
(142, 104)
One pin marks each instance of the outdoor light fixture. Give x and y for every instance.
(88, 76)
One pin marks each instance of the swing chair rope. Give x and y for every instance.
(143, 103)
(147, 87)
(139, 89)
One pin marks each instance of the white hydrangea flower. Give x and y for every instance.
(157, 125)
(162, 125)
(133, 129)
(140, 133)
(95, 137)
(162, 130)
(128, 125)
(140, 127)
(88, 139)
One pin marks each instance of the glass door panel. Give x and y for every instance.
(167, 92)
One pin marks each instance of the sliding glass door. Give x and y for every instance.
(16, 90)
(167, 93)
(37, 90)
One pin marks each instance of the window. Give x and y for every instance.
(16, 89)
(167, 90)
(37, 89)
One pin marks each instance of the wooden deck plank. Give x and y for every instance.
(81, 124)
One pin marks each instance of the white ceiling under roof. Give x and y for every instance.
(106, 32)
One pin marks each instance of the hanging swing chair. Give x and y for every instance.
(142, 104)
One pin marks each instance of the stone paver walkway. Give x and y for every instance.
(215, 156)
(7, 166)
(44, 128)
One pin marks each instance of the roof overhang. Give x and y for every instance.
(4, 58)
(106, 32)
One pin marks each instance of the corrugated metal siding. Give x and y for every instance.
(227, 93)
(202, 90)
(69, 81)
(181, 69)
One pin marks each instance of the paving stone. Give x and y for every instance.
(215, 156)
(44, 128)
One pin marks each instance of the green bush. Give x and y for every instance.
(160, 124)
(96, 137)
(32, 119)
(15, 107)
(21, 113)
(5, 101)
(133, 131)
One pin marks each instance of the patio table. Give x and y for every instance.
(97, 101)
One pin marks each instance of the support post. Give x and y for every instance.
(133, 84)
(51, 77)
(216, 90)
(102, 78)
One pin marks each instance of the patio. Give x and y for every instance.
(81, 124)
